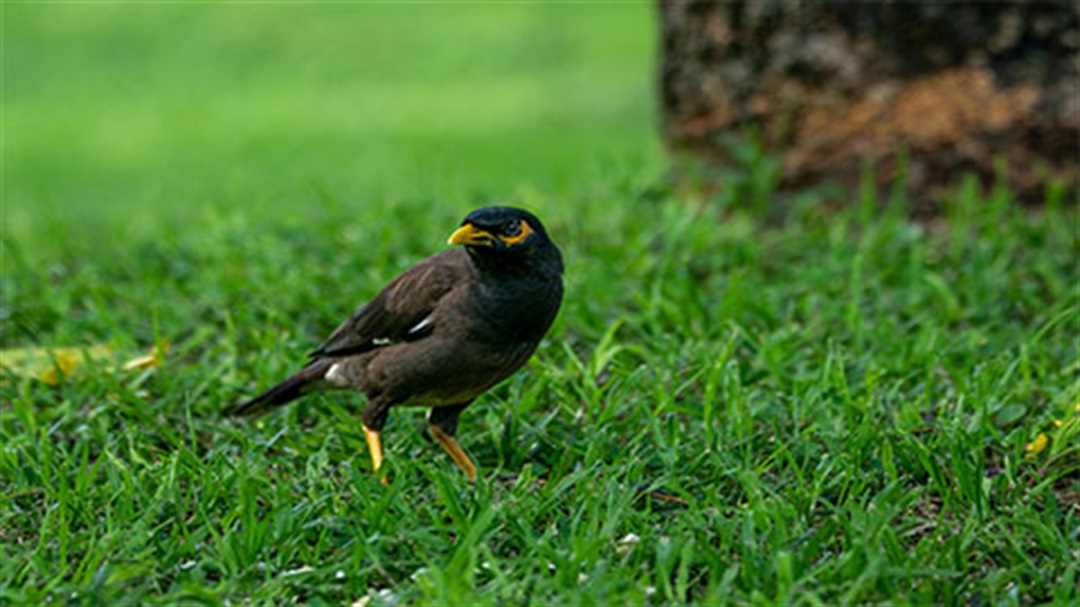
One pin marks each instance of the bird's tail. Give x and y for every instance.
(296, 385)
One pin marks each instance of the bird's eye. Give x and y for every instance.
(511, 228)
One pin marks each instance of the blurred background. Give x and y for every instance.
(136, 114)
(146, 112)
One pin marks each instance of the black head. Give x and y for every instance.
(507, 236)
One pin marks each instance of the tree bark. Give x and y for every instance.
(832, 87)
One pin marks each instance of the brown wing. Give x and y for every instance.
(398, 312)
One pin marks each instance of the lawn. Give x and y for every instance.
(843, 406)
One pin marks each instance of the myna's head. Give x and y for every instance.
(506, 236)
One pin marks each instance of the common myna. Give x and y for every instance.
(443, 332)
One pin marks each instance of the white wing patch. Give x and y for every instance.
(378, 342)
(334, 375)
(420, 326)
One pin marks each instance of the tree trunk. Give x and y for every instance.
(834, 86)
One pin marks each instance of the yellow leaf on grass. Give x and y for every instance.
(1037, 446)
(151, 360)
(65, 363)
(50, 365)
(53, 365)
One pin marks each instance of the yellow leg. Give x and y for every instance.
(450, 444)
(374, 443)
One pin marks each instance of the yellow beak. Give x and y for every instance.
(472, 236)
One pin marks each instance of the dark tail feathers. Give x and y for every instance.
(295, 386)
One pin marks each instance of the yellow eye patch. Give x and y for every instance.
(520, 237)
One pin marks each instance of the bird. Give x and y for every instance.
(442, 333)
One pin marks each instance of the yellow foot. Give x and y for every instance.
(374, 443)
(450, 444)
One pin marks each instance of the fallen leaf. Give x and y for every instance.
(1037, 446)
(53, 365)
(50, 365)
(151, 360)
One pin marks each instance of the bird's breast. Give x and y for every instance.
(518, 311)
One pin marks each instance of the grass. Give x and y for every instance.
(840, 403)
